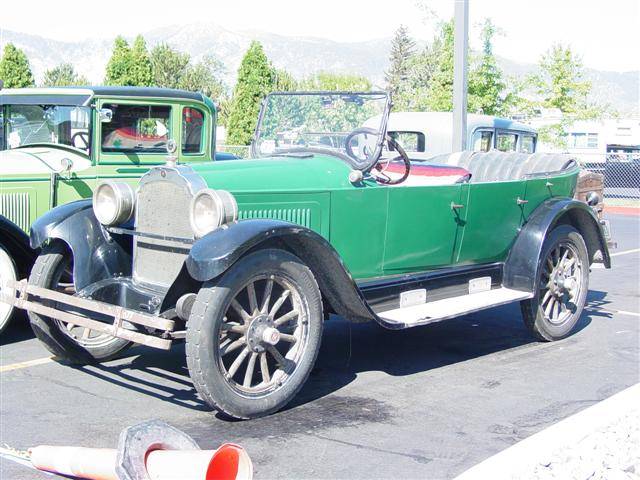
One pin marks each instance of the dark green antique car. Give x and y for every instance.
(246, 259)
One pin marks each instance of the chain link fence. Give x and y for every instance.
(621, 176)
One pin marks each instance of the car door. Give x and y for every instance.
(423, 227)
(492, 215)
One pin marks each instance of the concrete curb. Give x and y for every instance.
(520, 459)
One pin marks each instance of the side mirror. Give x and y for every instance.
(106, 114)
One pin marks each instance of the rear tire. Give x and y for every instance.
(563, 283)
(51, 265)
(8, 272)
(232, 363)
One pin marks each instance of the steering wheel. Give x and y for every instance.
(347, 143)
(402, 156)
(83, 136)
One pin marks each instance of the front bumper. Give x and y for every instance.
(83, 312)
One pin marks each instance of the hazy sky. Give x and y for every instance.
(605, 33)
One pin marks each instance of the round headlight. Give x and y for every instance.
(210, 209)
(113, 203)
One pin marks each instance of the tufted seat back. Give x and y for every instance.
(497, 166)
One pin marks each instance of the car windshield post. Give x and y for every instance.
(324, 122)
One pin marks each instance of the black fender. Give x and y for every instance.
(96, 255)
(214, 253)
(16, 243)
(521, 267)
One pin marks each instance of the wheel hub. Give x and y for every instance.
(261, 332)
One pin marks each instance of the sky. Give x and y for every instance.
(605, 33)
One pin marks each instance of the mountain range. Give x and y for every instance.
(302, 56)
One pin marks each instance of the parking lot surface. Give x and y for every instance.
(427, 402)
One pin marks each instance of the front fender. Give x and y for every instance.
(521, 267)
(96, 256)
(16, 242)
(213, 254)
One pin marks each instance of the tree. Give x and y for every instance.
(168, 66)
(255, 80)
(283, 81)
(129, 66)
(15, 71)
(336, 82)
(486, 85)
(205, 77)
(440, 91)
(400, 59)
(561, 85)
(63, 75)
(141, 74)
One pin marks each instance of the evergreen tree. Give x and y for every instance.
(63, 75)
(400, 59)
(255, 80)
(141, 74)
(283, 81)
(14, 68)
(168, 66)
(119, 65)
(486, 85)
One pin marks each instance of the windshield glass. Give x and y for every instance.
(59, 124)
(349, 125)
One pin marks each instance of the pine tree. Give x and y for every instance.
(14, 68)
(141, 74)
(168, 66)
(400, 59)
(63, 75)
(255, 80)
(119, 65)
(486, 86)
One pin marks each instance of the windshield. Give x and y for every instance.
(346, 124)
(36, 124)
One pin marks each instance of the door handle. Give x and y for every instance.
(456, 206)
(520, 201)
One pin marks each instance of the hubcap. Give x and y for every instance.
(560, 284)
(261, 342)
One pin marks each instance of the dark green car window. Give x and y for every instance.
(137, 128)
(192, 130)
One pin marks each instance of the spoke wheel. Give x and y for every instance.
(263, 335)
(254, 334)
(563, 282)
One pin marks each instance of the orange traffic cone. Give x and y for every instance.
(229, 462)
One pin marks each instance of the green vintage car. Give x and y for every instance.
(245, 260)
(57, 144)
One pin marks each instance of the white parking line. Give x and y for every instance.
(625, 252)
(27, 364)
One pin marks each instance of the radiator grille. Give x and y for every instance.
(15, 207)
(162, 209)
(300, 216)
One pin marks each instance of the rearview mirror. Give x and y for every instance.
(106, 114)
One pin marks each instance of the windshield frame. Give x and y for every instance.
(6, 106)
(362, 166)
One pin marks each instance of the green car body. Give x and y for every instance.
(316, 224)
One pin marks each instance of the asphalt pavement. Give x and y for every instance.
(427, 402)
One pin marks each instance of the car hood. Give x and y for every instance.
(285, 174)
(40, 160)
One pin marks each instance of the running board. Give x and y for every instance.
(444, 309)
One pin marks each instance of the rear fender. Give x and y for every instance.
(96, 254)
(521, 267)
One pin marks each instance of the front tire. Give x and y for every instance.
(563, 282)
(8, 273)
(253, 335)
(71, 343)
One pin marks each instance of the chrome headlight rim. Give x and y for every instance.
(122, 199)
(222, 209)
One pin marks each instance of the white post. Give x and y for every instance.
(460, 83)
